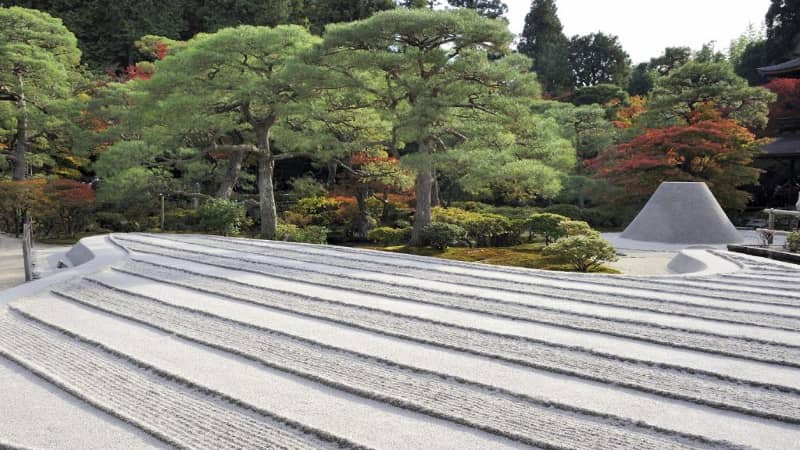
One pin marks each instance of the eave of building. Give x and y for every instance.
(782, 147)
(791, 66)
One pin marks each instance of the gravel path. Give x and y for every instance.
(209, 342)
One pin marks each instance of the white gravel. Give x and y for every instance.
(230, 343)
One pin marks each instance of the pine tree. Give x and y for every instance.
(543, 40)
(492, 9)
(783, 29)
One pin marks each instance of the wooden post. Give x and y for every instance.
(27, 257)
(162, 212)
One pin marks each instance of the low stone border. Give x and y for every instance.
(763, 252)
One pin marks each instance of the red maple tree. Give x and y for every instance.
(713, 150)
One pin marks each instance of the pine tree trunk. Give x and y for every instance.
(266, 190)
(231, 174)
(435, 198)
(423, 188)
(20, 163)
(362, 225)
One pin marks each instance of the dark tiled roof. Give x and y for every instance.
(783, 146)
(793, 65)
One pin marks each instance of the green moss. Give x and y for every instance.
(526, 255)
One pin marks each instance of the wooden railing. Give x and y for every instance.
(27, 242)
(770, 232)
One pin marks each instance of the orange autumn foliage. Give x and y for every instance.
(718, 152)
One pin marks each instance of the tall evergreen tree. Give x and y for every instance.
(106, 31)
(323, 12)
(39, 72)
(543, 40)
(487, 8)
(599, 58)
(783, 29)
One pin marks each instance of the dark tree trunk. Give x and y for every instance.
(18, 157)
(362, 225)
(231, 174)
(435, 198)
(332, 166)
(423, 188)
(266, 190)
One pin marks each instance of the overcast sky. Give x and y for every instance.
(646, 27)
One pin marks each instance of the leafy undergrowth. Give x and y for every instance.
(526, 255)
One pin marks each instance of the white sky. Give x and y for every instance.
(646, 27)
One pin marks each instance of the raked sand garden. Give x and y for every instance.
(211, 342)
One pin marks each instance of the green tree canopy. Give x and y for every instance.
(228, 92)
(783, 29)
(39, 61)
(543, 41)
(429, 73)
(598, 58)
(671, 59)
(487, 8)
(694, 87)
(106, 31)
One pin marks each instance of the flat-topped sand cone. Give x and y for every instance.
(682, 213)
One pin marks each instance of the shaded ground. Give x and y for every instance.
(12, 272)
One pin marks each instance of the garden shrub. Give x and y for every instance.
(569, 211)
(440, 235)
(311, 234)
(114, 221)
(584, 253)
(307, 187)
(221, 216)
(515, 212)
(181, 220)
(386, 236)
(472, 206)
(546, 225)
(511, 236)
(484, 228)
(481, 228)
(316, 205)
(576, 228)
(793, 242)
(297, 218)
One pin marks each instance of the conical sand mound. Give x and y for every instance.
(682, 213)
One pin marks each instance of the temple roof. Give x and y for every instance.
(791, 66)
(783, 146)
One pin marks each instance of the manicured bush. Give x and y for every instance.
(387, 236)
(576, 228)
(222, 216)
(546, 225)
(440, 235)
(584, 253)
(114, 221)
(311, 234)
(472, 206)
(570, 211)
(307, 186)
(181, 220)
(482, 228)
(793, 241)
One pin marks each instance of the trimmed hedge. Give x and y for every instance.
(440, 235)
(386, 236)
(311, 234)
